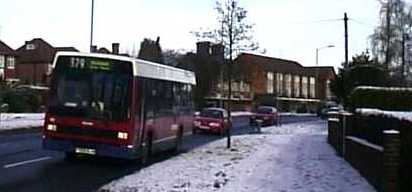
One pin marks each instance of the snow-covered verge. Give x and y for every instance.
(9, 121)
(247, 113)
(241, 113)
(292, 157)
(402, 115)
(297, 114)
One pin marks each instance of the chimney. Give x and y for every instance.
(93, 49)
(157, 40)
(203, 49)
(218, 52)
(115, 48)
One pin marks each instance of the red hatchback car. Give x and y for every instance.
(268, 115)
(214, 120)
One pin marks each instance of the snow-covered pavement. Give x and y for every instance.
(9, 121)
(292, 157)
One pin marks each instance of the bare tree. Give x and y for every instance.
(234, 32)
(396, 20)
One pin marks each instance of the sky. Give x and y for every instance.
(287, 29)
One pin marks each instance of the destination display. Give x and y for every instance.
(92, 64)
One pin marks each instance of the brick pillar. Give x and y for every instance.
(346, 125)
(391, 161)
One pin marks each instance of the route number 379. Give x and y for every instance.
(78, 63)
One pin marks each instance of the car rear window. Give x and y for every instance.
(264, 110)
(211, 113)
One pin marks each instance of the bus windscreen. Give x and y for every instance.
(90, 87)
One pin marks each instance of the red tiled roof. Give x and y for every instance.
(43, 52)
(66, 49)
(283, 65)
(5, 49)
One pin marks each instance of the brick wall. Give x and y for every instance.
(386, 162)
(366, 159)
(32, 73)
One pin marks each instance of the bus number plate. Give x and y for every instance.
(86, 151)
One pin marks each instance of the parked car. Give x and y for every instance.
(325, 111)
(214, 120)
(267, 114)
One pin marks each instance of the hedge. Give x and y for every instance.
(384, 98)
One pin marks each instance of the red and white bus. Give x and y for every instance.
(109, 105)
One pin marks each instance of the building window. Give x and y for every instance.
(312, 91)
(328, 92)
(10, 62)
(279, 83)
(235, 86)
(304, 87)
(30, 46)
(2, 61)
(296, 87)
(288, 79)
(270, 82)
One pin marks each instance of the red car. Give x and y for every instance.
(268, 115)
(214, 120)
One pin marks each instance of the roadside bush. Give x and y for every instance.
(384, 98)
(21, 101)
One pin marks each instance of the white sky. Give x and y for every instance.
(288, 29)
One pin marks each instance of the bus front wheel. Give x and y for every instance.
(179, 139)
(146, 149)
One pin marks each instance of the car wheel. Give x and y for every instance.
(179, 139)
(70, 156)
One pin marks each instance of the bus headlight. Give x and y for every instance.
(51, 127)
(122, 135)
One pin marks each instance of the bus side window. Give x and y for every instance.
(151, 94)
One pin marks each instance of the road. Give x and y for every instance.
(24, 166)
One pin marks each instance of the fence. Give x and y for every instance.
(383, 157)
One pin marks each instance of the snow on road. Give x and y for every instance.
(9, 121)
(290, 158)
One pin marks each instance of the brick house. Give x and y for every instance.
(34, 61)
(7, 62)
(262, 80)
(284, 83)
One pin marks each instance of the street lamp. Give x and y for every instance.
(91, 28)
(317, 52)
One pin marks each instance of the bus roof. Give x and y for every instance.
(142, 68)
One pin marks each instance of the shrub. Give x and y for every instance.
(384, 98)
(21, 101)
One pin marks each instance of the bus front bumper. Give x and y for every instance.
(90, 148)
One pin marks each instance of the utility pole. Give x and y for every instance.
(91, 28)
(345, 19)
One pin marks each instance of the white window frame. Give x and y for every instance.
(304, 87)
(296, 85)
(30, 46)
(279, 83)
(11, 62)
(288, 79)
(312, 87)
(2, 61)
(269, 83)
